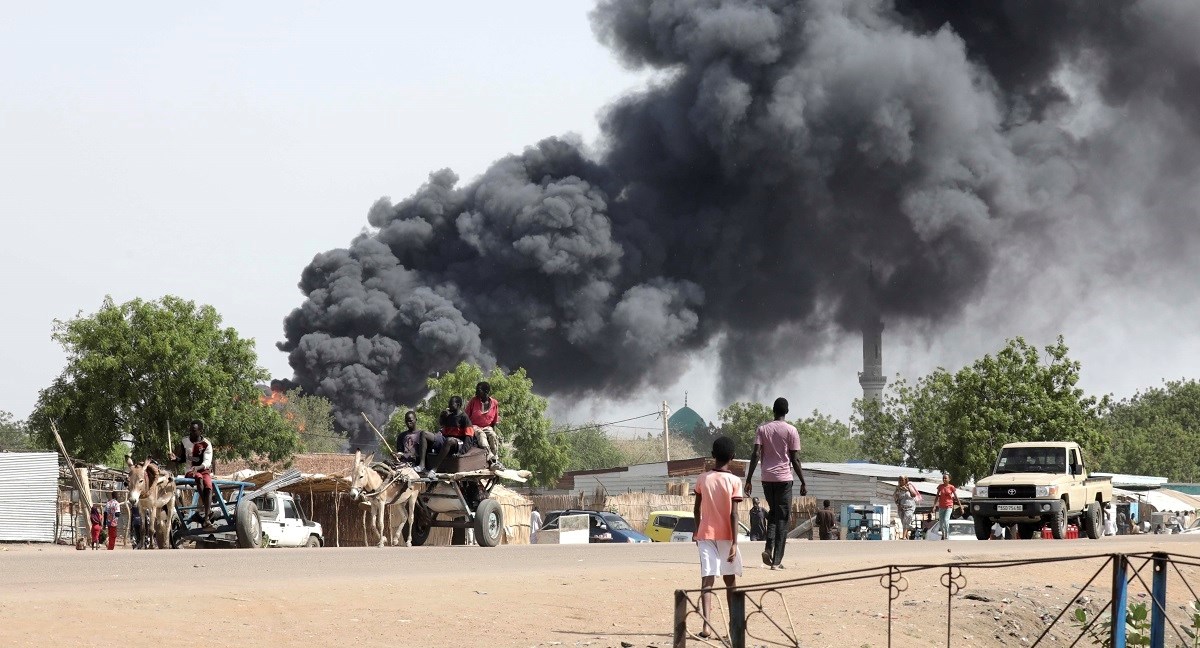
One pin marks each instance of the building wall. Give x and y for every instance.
(28, 496)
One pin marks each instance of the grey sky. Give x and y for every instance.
(210, 151)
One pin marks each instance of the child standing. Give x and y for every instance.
(97, 519)
(717, 493)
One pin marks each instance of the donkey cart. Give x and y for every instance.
(235, 519)
(461, 501)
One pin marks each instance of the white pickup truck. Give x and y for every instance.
(283, 525)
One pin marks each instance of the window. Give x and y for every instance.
(616, 522)
(266, 504)
(686, 525)
(1042, 460)
(666, 522)
(289, 510)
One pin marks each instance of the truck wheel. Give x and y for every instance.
(983, 528)
(1092, 524)
(312, 541)
(248, 525)
(1058, 523)
(489, 523)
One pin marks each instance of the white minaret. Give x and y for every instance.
(871, 377)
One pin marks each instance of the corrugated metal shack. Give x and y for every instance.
(28, 494)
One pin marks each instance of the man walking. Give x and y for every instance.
(758, 521)
(826, 522)
(778, 443)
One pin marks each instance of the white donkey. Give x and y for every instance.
(152, 490)
(398, 493)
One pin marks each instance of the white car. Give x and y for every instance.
(283, 524)
(959, 530)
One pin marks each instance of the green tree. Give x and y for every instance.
(739, 421)
(137, 368)
(310, 417)
(1156, 432)
(589, 448)
(15, 436)
(957, 422)
(523, 422)
(824, 438)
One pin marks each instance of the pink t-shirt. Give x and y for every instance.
(776, 439)
(718, 490)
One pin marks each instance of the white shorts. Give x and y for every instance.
(714, 558)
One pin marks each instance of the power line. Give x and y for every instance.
(611, 423)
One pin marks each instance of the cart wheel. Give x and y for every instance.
(489, 523)
(248, 525)
(176, 534)
(421, 527)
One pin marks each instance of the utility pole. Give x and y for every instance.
(666, 411)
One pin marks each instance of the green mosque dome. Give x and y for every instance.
(685, 419)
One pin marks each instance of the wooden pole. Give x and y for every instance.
(666, 433)
(84, 494)
(378, 433)
(337, 524)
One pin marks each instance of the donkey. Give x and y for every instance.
(400, 496)
(152, 490)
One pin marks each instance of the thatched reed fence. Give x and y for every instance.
(637, 507)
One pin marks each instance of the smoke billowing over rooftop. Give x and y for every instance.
(740, 199)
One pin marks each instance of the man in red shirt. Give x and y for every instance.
(457, 432)
(947, 499)
(484, 412)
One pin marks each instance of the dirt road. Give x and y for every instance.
(513, 596)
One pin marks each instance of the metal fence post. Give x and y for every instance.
(681, 610)
(737, 619)
(1158, 615)
(1120, 599)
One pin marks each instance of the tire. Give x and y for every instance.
(983, 530)
(1058, 523)
(421, 528)
(248, 525)
(489, 523)
(1093, 526)
(313, 541)
(176, 534)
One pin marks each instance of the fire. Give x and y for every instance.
(277, 397)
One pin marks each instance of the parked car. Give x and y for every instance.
(959, 530)
(678, 526)
(604, 527)
(283, 524)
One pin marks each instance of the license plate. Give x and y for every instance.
(1016, 508)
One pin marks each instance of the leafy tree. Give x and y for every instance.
(589, 448)
(15, 436)
(739, 421)
(957, 422)
(136, 369)
(310, 417)
(1156, 432)
(523, 422)
(824, 438)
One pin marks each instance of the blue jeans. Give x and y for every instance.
(944, 520)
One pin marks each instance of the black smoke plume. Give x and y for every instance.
(739, 200)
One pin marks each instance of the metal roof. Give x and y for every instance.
(1156, 498)
(28, 496)
(1132, 481)
(881, 471)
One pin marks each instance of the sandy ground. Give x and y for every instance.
(532, 595)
